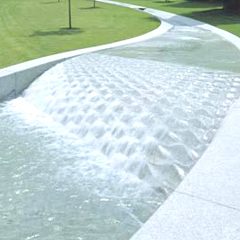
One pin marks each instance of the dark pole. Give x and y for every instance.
(69, 14)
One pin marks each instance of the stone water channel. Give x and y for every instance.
(97, 143)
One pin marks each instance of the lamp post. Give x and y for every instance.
(69, 14)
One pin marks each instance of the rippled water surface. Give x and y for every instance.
(95, 145)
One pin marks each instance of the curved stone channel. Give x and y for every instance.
(94, 146)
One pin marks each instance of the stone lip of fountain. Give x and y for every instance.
(206, 204)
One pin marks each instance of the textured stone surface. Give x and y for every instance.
(206, 204)
(7, 86)
(216, 177)
(184, 217)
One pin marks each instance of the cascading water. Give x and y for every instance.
(97, 143)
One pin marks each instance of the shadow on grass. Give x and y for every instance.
(195, 4)
(217, 16)
(152, 19)
(89, 8)
(163, 1)
(50, 2)
(60, 32)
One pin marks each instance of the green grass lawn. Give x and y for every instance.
(31, 29)
(211, 13)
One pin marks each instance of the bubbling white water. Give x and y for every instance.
(56, 186)
(145, 120)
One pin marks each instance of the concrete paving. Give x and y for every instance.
(206, 204)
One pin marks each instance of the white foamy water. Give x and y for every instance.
(56, 186)
(97, 143)
(142, 118)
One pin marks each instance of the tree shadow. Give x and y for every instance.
(89, 8)
(152, 19)
(195, 4)
(50, 2)
(163, 1)
(60, 32)
(217, 16)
